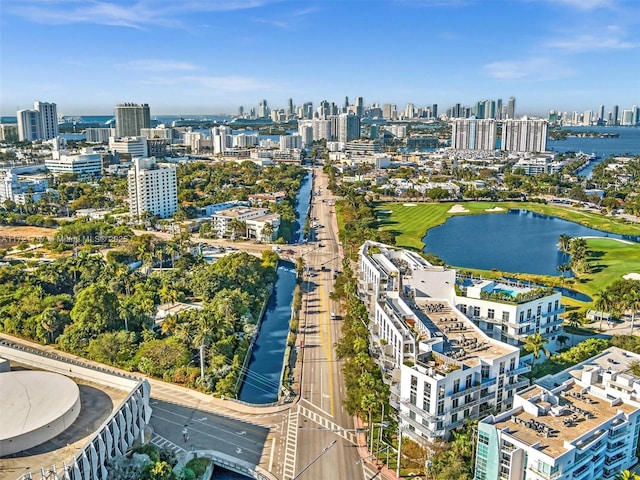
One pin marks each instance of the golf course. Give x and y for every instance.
(609, 259)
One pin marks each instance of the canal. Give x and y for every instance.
(261, 381)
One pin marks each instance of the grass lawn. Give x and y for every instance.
(610, 259)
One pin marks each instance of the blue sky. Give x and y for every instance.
(210, 56)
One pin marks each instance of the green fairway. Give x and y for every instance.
(610, 259)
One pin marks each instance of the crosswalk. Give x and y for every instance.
(289, 466)
(327, 424)
(162, 442)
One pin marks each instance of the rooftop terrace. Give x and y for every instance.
(462, 341)
(576, 417)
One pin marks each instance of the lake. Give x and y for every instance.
(518, 241)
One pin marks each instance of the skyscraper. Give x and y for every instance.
(29, 125)
(511, 108)
(616, 118)
(434, 110)
(48, 119)
(601, 113)
(359, 106)
(263, 109)
(524, 135)
(290, 110)
(152, 188)
(130, 118)
(635, 119)
(499, 109)
(474, 134)
(348, 127)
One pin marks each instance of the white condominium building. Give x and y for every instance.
(99, 135)
(29, 125)
(152, 188)
(442, 368)
(510, 312)
(129, 146)
(48, 119)
(85, 163)
(524, 135)
(131, 118)
(579, 424)
(474, 134)
(246, 222)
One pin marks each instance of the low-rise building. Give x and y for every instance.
(510, 311)
(86, 163)
(246, 222)
(579, 424)
(442, 368)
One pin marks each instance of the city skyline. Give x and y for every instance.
(204, 57)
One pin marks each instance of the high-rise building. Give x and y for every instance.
(99, 135)
(524, 135)
(222, 139)
(130, 118)
(587, 117)
(129, 147)
(29, 125)
(263, 109)
(601, 113)
(616, 112)
(389, 111)
(359, 106)
(348, 127)
(511, 108)
(499, 109)
(410, 111)
(48, 119)
(290, 110)
(489, 109)
(152, 188)
(8, 132)
(434, 110)
(474, 134)
(635, 118)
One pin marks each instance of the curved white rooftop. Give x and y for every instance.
(34, 407)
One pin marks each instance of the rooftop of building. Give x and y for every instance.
(502, 290)
(238, 211)
(573, 415)
(461, 342)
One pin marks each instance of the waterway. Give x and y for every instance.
(261, 383)
(303, 200)
(628, 142)
(517, 241)
(262, 379)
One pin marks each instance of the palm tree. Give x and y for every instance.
(564, 242)
(573, 320)
(535, 344)
(267, 232)
(603, 304)
(627, 475)
(563, 268)
(632, 301)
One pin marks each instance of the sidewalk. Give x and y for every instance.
(365, 455)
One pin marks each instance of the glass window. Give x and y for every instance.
(491, 313)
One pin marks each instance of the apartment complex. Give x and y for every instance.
(242, 221)
(41, 123)
(131, 118)
(474, 134)
(524, 135)
(441, 367)
(510, 311)
(579, 424)
(152, 188)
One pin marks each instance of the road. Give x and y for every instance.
(319, 414)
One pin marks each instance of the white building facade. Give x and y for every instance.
(580, 424)
(524, 135)
(152, 188)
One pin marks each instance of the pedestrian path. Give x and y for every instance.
(289, 467)
(326, 424)
(162, 442)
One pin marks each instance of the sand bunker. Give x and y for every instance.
(409, 204)
(632, 276)
(457, 208)
(494, 209)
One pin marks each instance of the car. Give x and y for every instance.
(333, 316)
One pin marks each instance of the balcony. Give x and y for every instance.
(611, 462)
(522, 368)
(464, 406)
(423, 429)
(547, 476)
(581, 470)
(518, 384)
(613, 450)
(417, 410)
(466, 391)
(557, 311)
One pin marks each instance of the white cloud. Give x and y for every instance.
(611, 37)
(157, 65)
(581, 4)
(529, 69)
(212, 83)
(138, 15)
